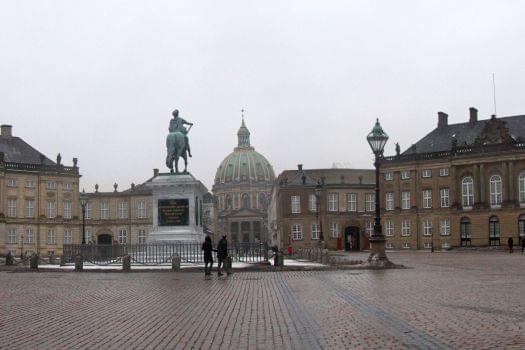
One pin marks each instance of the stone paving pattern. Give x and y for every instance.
(451, 300)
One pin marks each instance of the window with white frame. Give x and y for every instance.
(11, 208)
(389, 176)
(369, 228)
(333, 201)
(312, 203)
(406, 245)
(389, 201)
(67, 209)
(142, 236)
(88, 211)
(405, 200)
(296, 204)
(351, 201)
(11, 236)
(405, 175)
(405, 227)
(297, 232)
(29, 237)
(427, 245)
(104, 210)
(30, 184)
(369, 202)
(521, 186)
(68, 186)
(334, 230)
(51, 185)
(11, 183)
(389, 228)
(316, 231)
(51, 209)
(68, 236)
(443, 172)
(123, 210)
(30, 208)
(88, 236)
(389, 245)
(467, 191)
(122, 236)
(426, 173)
(141, 210)
(495, 190)
(444, 226)
(444, 195)
(427, 227)
(51, 237)
(427, 199)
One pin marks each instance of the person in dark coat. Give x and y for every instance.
(222, 253)
(510, 242)
(522, 245)
(208, 257)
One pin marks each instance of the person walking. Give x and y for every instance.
(222, 254)
(522, 245)
(208, 257)
(510, 243)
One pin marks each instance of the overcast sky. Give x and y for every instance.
(98, 80)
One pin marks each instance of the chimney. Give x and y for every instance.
(473, 115)
(7, 130)
(155, 172)
(300, 167)
(442, 119)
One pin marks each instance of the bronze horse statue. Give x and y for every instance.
(176, 146)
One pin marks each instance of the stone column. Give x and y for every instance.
(482, 185)
(504, 185)
(509, 183)
(455, 200)
(477, 194)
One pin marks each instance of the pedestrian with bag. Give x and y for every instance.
(222, 254)
(510, 242)
(208, 257)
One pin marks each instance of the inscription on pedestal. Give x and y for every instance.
(174, 212)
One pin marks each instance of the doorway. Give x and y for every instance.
(352, 242)
(104, 239)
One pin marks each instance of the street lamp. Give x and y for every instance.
(318, 193)
(377, 139)
(83, 203)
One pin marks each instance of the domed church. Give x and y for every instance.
(241, 190)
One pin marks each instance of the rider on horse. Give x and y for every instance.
(177, 124)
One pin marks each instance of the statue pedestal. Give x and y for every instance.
(177, 208)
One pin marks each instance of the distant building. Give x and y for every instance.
(241, 193)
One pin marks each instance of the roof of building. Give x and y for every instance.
(479, 132)
(327, 177)
(17, 150)
(244, 164)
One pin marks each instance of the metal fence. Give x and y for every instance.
(159, 253)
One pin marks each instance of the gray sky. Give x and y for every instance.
(98, 80)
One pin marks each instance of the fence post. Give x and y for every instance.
(324, 259)
(33, 262)
(9, 259)
(79, 263)
(175, 262)
(126, 263)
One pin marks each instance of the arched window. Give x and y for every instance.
(521, 186)
(494, 230)
(245, 200)
(521, 227)
(465, 232)
(495, 190)
(262, 201)
(467, 187)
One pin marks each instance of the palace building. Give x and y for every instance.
(241, 193)
(460, 185)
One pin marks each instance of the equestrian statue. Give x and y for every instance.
(177, 142)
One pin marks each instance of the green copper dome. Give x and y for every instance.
(244, 164)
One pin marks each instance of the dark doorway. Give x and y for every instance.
(104, 239)
(352, 238)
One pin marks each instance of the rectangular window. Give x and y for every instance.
(51, 237)
(389, 202)
(427, 199)
(369, 228)
(426, 173)
(30, 208)
(405, 175)
(88, 211)
(445, 227)
(51, 185)
(51, 209)
(427, 245)
(389, 228)
(405, 200)
(444, 194)
(369, 202)
(30, 184)
(141, 210)
(142, 236)
(67, 209)
(29, 235)
(427, 227)
(68, 236)
(405, 228)
(316, 232)
(351, 199)
(296, 204)
(389, 245)
(297, 232)
(312, 203)
(406, 245)
(88, 236)
(123, 210)
(333, 201)
(334, 230)
(11, 236)
(11, 183)
(389, 176)
(443, 172)
(68, 186)
(11, 208)
(104, 210)
(122, 236)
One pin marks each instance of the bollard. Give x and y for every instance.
(9, 259)
(126, 263)
(175, 262)
(324, 257)
(52, 259)
(276, 259)
(63, 260)
(228, 265)
(33, 262)
(79, 263)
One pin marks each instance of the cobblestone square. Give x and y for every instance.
(450, 300)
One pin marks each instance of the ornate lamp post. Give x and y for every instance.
(318, 193)
(377, 139)
(83, 203)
